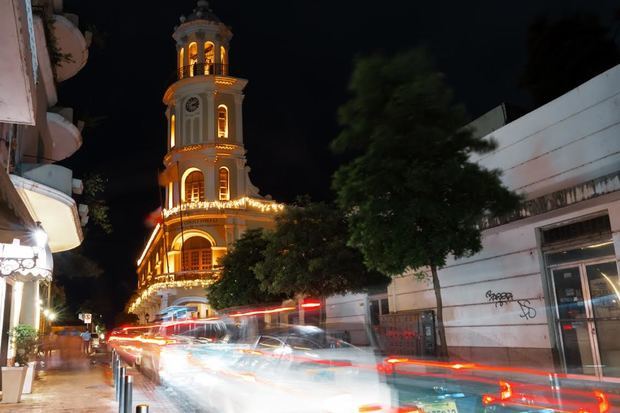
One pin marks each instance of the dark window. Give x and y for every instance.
(598, 227)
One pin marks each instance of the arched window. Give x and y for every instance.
(209, 57)
(223, 60)
(222, 121)
(197, 255)
(170, 195)
(173, 125)
(194, 187)
(181, 62)
(193, 57)
(224, 184)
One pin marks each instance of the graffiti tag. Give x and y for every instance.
(499, 298)
(527, 311)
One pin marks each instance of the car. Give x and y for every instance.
(299, 369)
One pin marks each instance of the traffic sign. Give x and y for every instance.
(88, 318)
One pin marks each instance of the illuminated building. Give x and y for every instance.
(38, 214)
(209, 199)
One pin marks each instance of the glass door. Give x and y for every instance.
(604, 289)
(588, 311)
(573, 320)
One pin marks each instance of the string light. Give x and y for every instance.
(153, 288)
(241, 203)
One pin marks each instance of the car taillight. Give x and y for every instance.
(505, 393)
(487, 399)
(603, 402)
(409, 409)
(505, 390)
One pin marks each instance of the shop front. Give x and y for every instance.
(583, 274)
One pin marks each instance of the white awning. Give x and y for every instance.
(24, 262)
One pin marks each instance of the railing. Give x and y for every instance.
(186, 276)
(202, 69)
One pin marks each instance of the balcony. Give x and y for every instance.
(72, 46)
(186, 276)
(17, 63)
(54, 176)
(46, 191)
(65, 137)
(202, 69)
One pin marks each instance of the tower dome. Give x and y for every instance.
(201, 12)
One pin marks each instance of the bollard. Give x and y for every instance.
(121, 390)
(142, 408)
(117, 380)
(114, 369)
(128, 394)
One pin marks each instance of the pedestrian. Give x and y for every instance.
(86, 337)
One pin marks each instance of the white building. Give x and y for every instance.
(544, 291)
(35, 194)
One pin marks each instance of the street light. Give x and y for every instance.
(51, 316)
(40, 236)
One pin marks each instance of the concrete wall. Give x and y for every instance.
(568, 141)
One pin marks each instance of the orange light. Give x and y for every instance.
(487, 399)
(505, 390)
(603, 402)
(370, 408)
(396, 360)
(259, 312)
(310, 305)
(459, 366)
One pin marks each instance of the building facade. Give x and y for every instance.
(209, 199)
(41, 46)
(544, 291)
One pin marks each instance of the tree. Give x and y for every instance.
(98, 209)
(307, 255)
(565, 53)
(124, 318)
(410, 194)
(238, 284)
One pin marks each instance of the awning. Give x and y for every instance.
(15, 220)
(24, 262)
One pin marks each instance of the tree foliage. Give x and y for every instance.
(565, 53)
(238, 284)
(73, 264)
(307, 255)
(98, 209)
(411, 195)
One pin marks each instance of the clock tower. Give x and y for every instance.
(209, 199)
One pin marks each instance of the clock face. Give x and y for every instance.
(192, 104)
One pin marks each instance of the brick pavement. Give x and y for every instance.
(79, 386)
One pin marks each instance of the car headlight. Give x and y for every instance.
(342, 403)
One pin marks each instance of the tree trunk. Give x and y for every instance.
(443, 346)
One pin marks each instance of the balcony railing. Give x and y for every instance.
(186, 276)
(202, 69)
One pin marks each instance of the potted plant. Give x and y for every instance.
(18, 379)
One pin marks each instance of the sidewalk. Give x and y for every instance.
(79, 386)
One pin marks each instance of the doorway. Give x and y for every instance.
(587, 296)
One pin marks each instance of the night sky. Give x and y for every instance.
(297, 56)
